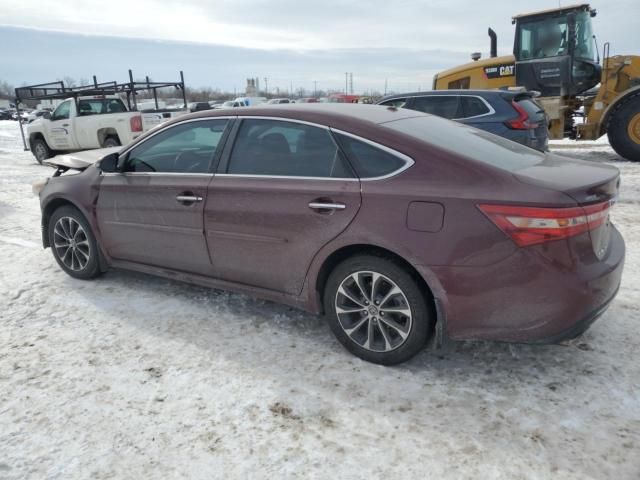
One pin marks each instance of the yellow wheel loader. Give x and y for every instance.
(555, 53)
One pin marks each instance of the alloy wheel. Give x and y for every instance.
(71, 243)
(373, 311)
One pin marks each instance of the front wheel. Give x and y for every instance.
(72, 242)
(624, 130)
(41, 150)
(377, 310)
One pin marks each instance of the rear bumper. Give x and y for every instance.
(531, 297)
(579, 327)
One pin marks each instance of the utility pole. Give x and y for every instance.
(351, 83)
(266, 85)
(346, 83)
(315, 88)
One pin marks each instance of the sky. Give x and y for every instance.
(292, 43)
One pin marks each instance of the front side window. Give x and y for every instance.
(368, 160)
(280, 148)
(63, 111)
(184, 148)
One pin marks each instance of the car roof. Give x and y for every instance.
(478, 92)
(322, 113)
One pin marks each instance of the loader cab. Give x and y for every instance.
(555, 51)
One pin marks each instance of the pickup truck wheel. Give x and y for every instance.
(41, 150)
(111, 142)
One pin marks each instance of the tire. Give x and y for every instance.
(41, 150)
(67, 226)
(362, 326)
(111, 141)
(624, 129)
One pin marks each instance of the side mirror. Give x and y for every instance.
(109, 164)
(46, 115)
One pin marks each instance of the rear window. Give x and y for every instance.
(532, 108)
(368, 160)
(100, 106)
(467, 141)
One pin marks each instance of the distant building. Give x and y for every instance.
(253, 87)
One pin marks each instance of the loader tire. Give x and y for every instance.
(624, 129)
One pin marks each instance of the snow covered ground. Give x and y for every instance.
(131, 376)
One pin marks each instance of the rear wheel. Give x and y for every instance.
(377, 310)
(624, 129)
(41, 150)
(73, 244)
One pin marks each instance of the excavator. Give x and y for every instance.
(555, 53)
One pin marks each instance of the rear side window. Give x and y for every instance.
(289, 149)
(445, 106)
(368, 160)
(396, 102)
(473, 107)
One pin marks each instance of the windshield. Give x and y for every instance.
(548, 37)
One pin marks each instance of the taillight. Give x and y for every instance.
(136, 123)
(532, 225)
(522, 121)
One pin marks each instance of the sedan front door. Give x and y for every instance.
(283, 193)
(152, 212)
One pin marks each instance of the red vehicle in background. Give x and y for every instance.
(342, 98)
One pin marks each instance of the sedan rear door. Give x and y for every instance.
(282, 192)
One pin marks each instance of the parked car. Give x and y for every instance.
(6, 114)
(279, 101)
(513, 115)
(307, 100)
(396, 225)
(233, 104)
(199, 106)
(35, 114)
(96, 121)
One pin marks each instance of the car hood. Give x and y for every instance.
(81, 160)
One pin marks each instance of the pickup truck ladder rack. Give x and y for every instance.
(58, 91)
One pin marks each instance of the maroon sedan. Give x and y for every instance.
(397, 225)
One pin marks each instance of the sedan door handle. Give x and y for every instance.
(327, 206)
(188, 198)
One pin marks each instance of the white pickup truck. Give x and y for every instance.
(90, 122)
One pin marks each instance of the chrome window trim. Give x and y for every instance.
(282, 119)
(287, 177)
(173, 174)
(162, 128)
(408, 161)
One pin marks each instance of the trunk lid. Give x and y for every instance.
(588, 183)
